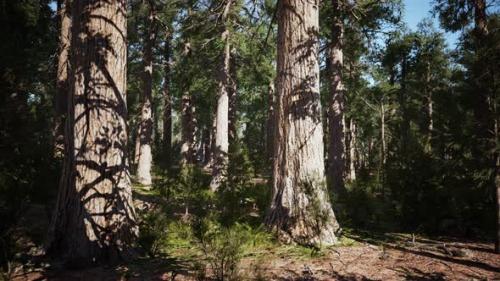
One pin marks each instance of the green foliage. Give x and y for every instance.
(222, 250)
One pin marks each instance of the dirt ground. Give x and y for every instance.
(388, 256)
(422, 259)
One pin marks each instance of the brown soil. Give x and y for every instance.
(397, 260)
(389, 256)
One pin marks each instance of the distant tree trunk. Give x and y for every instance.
(145, 136)
(233, 98)
(219, 167)
(300, 209)
(485, 112)
(480, 20)
(167, 99)
(94, 219)
(430, 109)
(405, 123)
(383, 145)
(187, 120)
(271, 101)
(336, 147)
(497, 179)
(210, 143)
(61, 98)
(351, 175)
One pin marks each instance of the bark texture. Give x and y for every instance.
(220, 153)
(94, 219)
(145, 156)
(60, 100)
(300, 210)
(336, 147)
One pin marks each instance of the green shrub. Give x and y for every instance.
(222, 248)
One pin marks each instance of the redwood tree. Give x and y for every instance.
(336, 130)
(221, 147)
(60, 101)
(94, 219)
(300, 209)
(145, 135)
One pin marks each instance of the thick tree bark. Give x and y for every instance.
(145, 157)
(94, 219)
(167, 102)
(60, 100)
(336, 147)
(220, 153)
(300, 209)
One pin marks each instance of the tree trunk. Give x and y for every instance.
(383, 145)
(480, 20)
(300, 209)
(145, 136)
(336, 150)
(94, 219)
(187, 120)
(60, 100)
(219, 168)
(167, 99)
(430, 108)
(271, 101)
(352, 151)
(233, 98)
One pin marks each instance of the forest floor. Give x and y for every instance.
(360, 256)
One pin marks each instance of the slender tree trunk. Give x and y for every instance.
(336, 147)
(497, 180)
(145, 136)
(60, 100)
(271, 101)
(167, 99)
(352, 151)
(219, 169)
(383, 144)
(300, 209)
(430, 109)
(187, 155)
(94, 219)
(480, 19)
(233, 98)
(209, 154)
(485, 112)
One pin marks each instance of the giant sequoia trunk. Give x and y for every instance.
(145, 135)
(94, 219)
(336, 147)
(300, 210)
(60, 100)
(220, 153)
